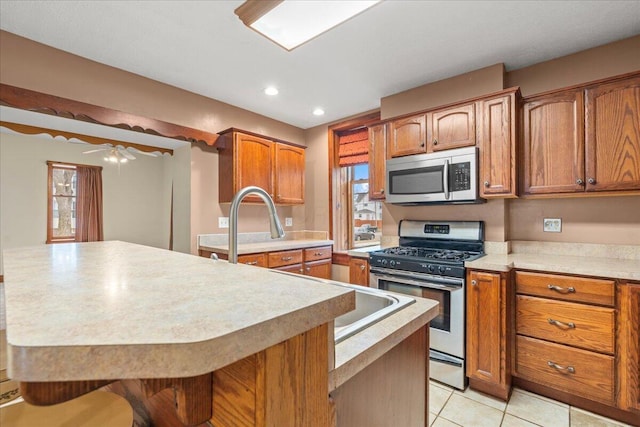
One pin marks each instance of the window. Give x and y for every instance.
(74, 203)
(62, 204)
(356, 221)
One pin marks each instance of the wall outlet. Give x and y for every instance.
(223, 222)
(552, 225)
(288, 222)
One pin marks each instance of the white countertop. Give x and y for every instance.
(272, 246)
(114, 310)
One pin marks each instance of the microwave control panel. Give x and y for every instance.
(460, 176)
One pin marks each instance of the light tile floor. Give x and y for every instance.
(453, 408)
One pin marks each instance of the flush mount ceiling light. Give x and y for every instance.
(318, 112)
(271, 90)
(290, 23)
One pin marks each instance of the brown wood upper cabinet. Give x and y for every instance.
(407, 136)
(583, 140)
(497, 130)
(452, 128)
(612, 136)
(377, 161)
(249, 159)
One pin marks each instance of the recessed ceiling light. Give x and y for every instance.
(318, 112)
(290, 23)
(271, 90)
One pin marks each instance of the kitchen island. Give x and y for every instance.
(84, 315)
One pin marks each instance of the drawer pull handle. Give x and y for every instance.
(286, 258)
(563, 369)
(251, 262)
(569, 290)
(569, 325)
(318, 254)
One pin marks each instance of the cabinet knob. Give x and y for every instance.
(579, 181)
(308, 268)
(301, 271)
(435, 142)
(382, 190)
(486, 183)
(474, 283)
(591, 180)
(422, 144)
(362, 267)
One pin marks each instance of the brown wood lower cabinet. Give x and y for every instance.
(578, 340)
(572, 370)
(359, 271)
(488, 346)
(314, 261)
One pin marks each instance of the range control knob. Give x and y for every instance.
(392, 263)
(384, 262)
(431, 268)
(441, 269)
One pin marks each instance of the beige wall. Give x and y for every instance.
(593, 64)
(136, 198)
(457, 88)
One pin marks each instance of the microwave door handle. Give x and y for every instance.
(445, 179)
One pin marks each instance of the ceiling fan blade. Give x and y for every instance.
(126, 154)
(95, 151)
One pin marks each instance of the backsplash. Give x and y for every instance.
(213, 240)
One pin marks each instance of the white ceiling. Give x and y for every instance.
(202, 46)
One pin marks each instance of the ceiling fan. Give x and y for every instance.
(119, 154)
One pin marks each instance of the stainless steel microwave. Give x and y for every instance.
(449, 176)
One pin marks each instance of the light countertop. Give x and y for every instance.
(115, 310)
(609, 261)
(250, 243)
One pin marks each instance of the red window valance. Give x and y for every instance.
(354, 147)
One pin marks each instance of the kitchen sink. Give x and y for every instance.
(372, 305)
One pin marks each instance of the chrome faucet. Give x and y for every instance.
(276, 227)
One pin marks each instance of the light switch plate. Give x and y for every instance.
(223, 222)
(288, 222)
(552, 225)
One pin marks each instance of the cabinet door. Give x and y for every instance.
(359, 271)
(487, 361)
(253, 164)
(628, 342)
(407, 136)
(453, 128)
(497, 130)
(553, 138)
(377, 161)
(289, 174)
(612, 138)
(321, 269)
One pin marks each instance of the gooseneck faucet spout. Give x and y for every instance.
(276, 227)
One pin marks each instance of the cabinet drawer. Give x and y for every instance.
(592, 376)
(569, 323)
(578, 289)
(294, 268)
(312, 254)
(278, 259)
(259, 260)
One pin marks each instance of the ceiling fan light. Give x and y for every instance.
(290, 23)
(123, 160)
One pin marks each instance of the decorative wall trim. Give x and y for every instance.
(25, 99)
(36, 130)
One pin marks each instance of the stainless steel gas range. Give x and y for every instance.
(429, 263)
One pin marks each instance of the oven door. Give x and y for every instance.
(447, 328)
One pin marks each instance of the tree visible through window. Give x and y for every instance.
(62, 202)
(74, 201)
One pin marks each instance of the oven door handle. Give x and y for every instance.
(419, 283)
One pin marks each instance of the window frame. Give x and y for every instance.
(51, 166)
(337, 195)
